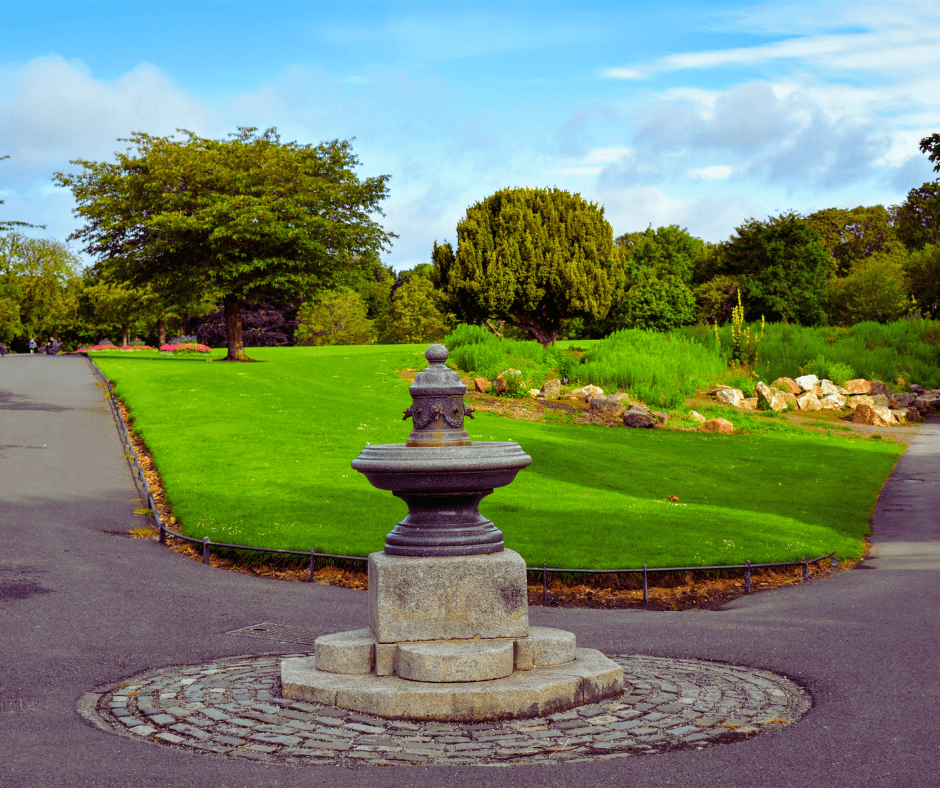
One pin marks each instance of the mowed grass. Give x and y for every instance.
(259, 454)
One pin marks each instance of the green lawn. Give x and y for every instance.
(260, 454)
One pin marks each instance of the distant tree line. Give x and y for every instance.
(250, 241)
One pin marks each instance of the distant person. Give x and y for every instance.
(3, 350)
(32, 345)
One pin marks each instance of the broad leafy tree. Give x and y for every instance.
(918, 217)
(852, 235)
(247, 219)
(35, 274)
(923, 272)
(654, 289)
(782, 268)
(337, 317)
(532, 258)
(875, 289)
(416, 314)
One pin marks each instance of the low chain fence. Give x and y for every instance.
(313, 555)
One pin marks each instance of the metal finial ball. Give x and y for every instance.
(436, 354)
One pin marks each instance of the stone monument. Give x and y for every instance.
(448, 636)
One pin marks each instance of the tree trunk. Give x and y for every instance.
(161, 332)
(233, 330)
(125, 337)
(543, 334)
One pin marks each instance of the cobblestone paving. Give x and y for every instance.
(231, 708)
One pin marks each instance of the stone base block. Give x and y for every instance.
(544, 648)
(533, 693)
(452, 598)
(346, 652)
(455, 660)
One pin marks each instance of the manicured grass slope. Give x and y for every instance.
(260, 454)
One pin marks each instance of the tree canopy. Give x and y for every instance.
(852, 235)
(782, 269)
(247, 219)
(918, 217)
(653, 282)
(530, 257)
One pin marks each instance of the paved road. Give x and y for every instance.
(81, 608)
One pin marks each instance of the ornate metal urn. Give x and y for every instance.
(448, 636)
(440, 473)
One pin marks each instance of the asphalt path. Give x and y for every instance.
(82, 607)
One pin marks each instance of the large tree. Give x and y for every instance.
(782, 268)
(530, 257)
(247, 219)
(918, 217)
(654, 290)
(34, 276)
(855, 234)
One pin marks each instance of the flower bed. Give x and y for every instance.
(185, 347)
(89, 348)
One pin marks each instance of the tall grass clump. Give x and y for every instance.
(475, 350)
(907, 349)
(660, 369)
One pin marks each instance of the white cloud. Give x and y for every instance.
(604, 155)
(716, 172)
(53, 110)
(882, 39)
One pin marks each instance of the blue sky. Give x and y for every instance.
(701, 114)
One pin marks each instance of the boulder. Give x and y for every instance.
(621, 395)
(877, 387)
(731, 397)
(927, 404)
(593, 391)
(749, 403)
(880, 400)
(786, 385)
(859, 399)
(481, 384)
(503, 377)
(770, 399)
(607, 406)
(917, 390)
(534, 393)
(832, 402)
(903, 415)
(789, 398)
(901, 400)
(827, 387)
(808, 401)
(577, 394)
(638, 417)
(806, 382)
(722, 426)
(696, 416)
(873, 414)
(858, 386)
(551, 389)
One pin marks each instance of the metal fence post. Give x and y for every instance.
(747, 577)
(646, 594)
(835, 561)
(805, 569)
(313, 563)
(544, 583)
(205, 549)
(162, 531)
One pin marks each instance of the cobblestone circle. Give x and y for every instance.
(231, 708)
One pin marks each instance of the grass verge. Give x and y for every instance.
(259, 454)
